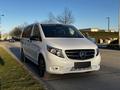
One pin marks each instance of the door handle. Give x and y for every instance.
(29, 40)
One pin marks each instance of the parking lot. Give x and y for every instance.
(107, 78)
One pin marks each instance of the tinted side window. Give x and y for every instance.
(27, 32)
(36, 31)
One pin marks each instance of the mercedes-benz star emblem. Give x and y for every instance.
(82, 54)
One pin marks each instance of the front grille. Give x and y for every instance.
(81, 54)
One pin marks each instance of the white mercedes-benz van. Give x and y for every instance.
(59, 49)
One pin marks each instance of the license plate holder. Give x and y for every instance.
(78, 65)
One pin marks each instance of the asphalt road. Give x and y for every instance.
(108, 78)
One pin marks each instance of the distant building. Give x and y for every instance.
(100, 36)
(112, 30)
(92, 30)
(5, 37)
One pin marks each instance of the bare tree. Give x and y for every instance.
(66, 17)
(16, 32)
(51, 18)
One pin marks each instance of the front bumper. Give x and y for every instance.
(57, 65)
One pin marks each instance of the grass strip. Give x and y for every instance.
(13, 76)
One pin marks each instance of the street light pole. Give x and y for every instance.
(119, 24)
(0, 17)
(108, 18)
(0, 23)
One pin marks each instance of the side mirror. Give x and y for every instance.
(35, 38)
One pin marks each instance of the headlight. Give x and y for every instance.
(97, 52)
(55, 51)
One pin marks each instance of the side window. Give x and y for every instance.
(27, 32)
(36, 32)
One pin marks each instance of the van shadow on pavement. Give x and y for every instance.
(27, 63)
(15, 51)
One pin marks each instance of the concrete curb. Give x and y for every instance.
(44, 83)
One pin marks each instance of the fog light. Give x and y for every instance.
(55, 68)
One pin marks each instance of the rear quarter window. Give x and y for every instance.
(27, 32)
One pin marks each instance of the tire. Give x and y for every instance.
(22, 56)
(41, 66)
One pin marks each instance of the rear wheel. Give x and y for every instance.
(22, 56)
(42, 67)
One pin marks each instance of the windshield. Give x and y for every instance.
(60, 31)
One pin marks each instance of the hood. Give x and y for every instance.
(71, 43)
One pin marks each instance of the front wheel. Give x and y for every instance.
(42, 67)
